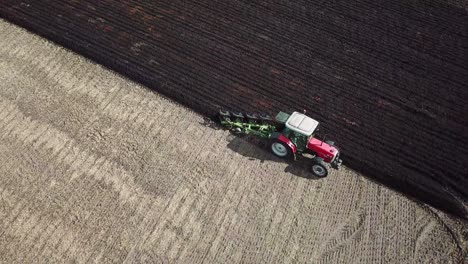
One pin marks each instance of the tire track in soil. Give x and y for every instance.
(19, 223)
(36, 191)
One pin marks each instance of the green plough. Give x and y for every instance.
(261, 125)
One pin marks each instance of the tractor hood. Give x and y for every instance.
(325, 151)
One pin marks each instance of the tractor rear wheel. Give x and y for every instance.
(319, 169)
(280, 149)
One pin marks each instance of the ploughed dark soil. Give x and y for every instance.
(387, 79)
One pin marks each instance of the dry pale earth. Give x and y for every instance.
(96, 168)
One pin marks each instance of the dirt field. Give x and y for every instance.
(95, 168)
(386, 78)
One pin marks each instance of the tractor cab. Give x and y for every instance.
(298, 127)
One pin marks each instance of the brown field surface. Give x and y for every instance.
(96, 168)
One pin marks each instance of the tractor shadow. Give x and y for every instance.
(257, 149)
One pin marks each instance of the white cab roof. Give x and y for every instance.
(301, 123)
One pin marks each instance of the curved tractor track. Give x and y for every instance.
(387, 79)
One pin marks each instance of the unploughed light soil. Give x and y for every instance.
(95, 168)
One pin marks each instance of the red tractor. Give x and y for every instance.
(289, 135)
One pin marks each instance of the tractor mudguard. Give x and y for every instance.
(287, 141)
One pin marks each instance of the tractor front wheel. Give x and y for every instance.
(319, 169)
(280, 149)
